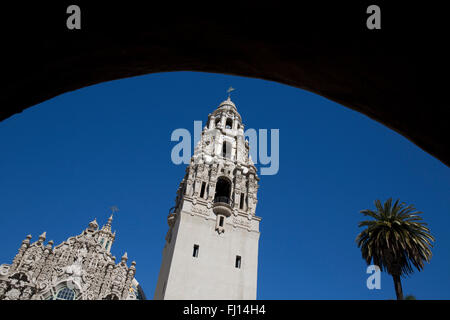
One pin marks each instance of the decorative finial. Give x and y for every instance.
(93, 224)
(43, 236)
(27, 240)
(230, 89)
(49, 244)
(113, 210)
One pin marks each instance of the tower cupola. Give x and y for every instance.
(106, 237)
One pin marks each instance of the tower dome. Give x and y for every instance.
(226, 104)
(226, 107)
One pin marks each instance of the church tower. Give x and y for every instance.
(211, 249)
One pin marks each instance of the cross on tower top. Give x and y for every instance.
(230, 89)
(114, 209)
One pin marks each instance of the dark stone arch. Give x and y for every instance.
(223, 190)
(229, 123)
(20, 276)
(388, 75)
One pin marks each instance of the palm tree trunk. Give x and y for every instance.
(398, 287)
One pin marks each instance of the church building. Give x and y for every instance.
(80, 268)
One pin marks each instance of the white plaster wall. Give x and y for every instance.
(164, 270)
(212, 275)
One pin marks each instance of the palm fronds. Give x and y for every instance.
(396, 239)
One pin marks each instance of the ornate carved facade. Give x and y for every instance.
(221, 170)
(81, 267)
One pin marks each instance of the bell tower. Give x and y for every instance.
(211, 249)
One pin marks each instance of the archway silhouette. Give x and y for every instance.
(388, 75)
(223, 190)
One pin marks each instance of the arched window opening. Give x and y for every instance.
(202, 191)
(107, 245)
(223, 190)
(217, 122)
(226, 150)
(221, 222)
(229, 124)
(111, 297)
(241, 204)
(20, 276)
(65, 294)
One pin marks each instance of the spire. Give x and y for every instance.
(110, 219)
(107, 226)
(105, 235)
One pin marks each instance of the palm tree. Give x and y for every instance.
(396, 240)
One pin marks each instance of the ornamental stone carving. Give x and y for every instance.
(222, 153)
(81, 267)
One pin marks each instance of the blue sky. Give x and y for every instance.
(67, 160)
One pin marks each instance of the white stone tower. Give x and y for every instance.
(211, 249)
